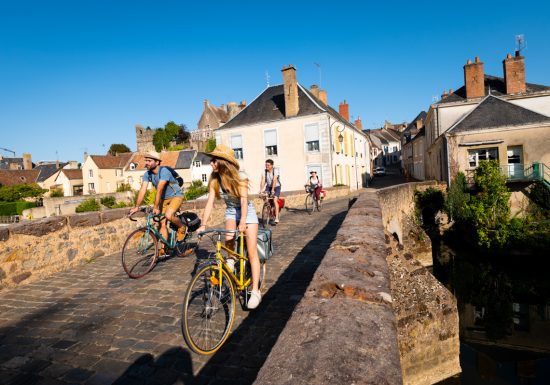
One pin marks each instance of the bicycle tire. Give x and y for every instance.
(309, 204)
(266, 216)
(203, 301)
(139, 253)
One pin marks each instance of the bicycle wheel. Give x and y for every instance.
(208, 310)
(139, 253)
(310, 202)
(266, 216)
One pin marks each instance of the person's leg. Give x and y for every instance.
(170, 212)
(276, 201)
(317, 192)
(252, 247)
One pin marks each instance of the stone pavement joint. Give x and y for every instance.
(93, 325)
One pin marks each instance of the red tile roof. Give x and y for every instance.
(72, 174)
(109, 161)
(13, 177)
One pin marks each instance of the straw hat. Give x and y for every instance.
(152, 155)
(223, 152)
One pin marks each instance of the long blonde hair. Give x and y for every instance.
(227, 177)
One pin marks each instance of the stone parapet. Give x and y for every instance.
(343, 331)
(37, 248)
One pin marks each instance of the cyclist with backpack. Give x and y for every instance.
(169, 195)
(272, 182)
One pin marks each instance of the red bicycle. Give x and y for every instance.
(268, 209)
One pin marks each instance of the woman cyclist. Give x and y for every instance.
(231, 185)
(314, 184)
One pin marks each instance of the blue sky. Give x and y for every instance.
(77, 76)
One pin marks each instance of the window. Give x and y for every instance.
(132, 166)
(204, 178)
(237, 146)
(91, 173)
(270, 140)
(475, 156)
(312, 137)
(198, 163)
(91, 186)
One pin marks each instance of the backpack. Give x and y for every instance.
(174, 173)
(278, 178)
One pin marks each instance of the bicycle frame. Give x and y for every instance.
(171, 241)
(238, 280)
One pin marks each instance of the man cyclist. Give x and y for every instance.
(169, 195)
(271, 181)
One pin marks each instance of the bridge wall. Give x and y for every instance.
(34, 249)
(372, 313)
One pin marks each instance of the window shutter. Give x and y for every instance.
(270, 137)
(237, 141)
(312, 132)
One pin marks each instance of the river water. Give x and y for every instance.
(504, 311)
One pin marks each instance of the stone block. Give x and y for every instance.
(4, 234)
(114, 214)
(39, 227)
(84, 219)
(21, 277)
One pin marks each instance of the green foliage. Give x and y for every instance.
(15, 208)
(177, 147)
(488, 211)
(21, 191)
(56, 193)
(118, 148)
(119, 205)
(428, 203)
(124, 187)
(457, 197)
(150, 196)
(195, 190)
(88, 205)
(108, 201)
(171, 132)
(539, 205)
(210, 145)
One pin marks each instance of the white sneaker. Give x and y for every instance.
(230, 265)
(254, 300)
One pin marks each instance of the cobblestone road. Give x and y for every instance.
(93, 325)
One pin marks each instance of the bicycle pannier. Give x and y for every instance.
(191, 220)
(265, 248)
(281, 203)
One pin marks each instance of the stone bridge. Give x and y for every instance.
(345, 303)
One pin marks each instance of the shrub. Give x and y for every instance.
(108, 201)
(124, 187)
(120, 205)
(195, 190)
(56, 193)
(457, 197)
(15, 208)
(88, 205)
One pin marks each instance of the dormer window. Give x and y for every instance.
(198, 163)
(132, 166)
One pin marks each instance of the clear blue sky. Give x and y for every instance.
(78, 75)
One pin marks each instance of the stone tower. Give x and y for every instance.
(144, 139)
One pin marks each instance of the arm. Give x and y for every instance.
(275, 180)
(207, 209)
(141, 195)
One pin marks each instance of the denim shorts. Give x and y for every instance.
(235, 214)
(277, 191)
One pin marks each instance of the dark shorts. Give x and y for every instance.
(277, 192)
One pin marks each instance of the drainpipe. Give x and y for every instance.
(448, 163)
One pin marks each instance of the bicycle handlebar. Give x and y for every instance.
(148, 210)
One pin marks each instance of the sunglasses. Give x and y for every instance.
(214, 160)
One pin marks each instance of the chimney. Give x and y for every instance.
(444, 94)
(514, 73)
(57, 164)
(358, 123)
(474, 79)
(205, 103)
(242, 105)
(232, 109)
(323, 96)
(290, 90)
(85, 156)
(314, 89)
(343, 109)
(419, 123)
(27, 161)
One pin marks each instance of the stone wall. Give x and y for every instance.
(34, 249)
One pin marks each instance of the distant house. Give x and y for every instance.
(15, 177)
(104, 173)
(296, 128)
(412, 147)
(390, 141)
(24, 163)
(505, 119)
(201, 168)
(70, 181)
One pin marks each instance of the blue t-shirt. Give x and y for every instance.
(171, 190)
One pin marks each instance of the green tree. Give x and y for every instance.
(118, 148)
(488, 211)
(88, 205)
(457, 197)
(21, 191)
(171, 132)
(196, 190)
(210, 145)
(56, 193)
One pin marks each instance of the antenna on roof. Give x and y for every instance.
(520, 42)
(266, 79)
(319, 68)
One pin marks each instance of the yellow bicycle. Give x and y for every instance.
(209, 304)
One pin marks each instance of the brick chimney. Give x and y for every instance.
(358, 123)
(291, 91)
(514, 73)
(323, 96)
(474, 79)
(232, 109)
(27, 161)
(314, 89)
(343, 109)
